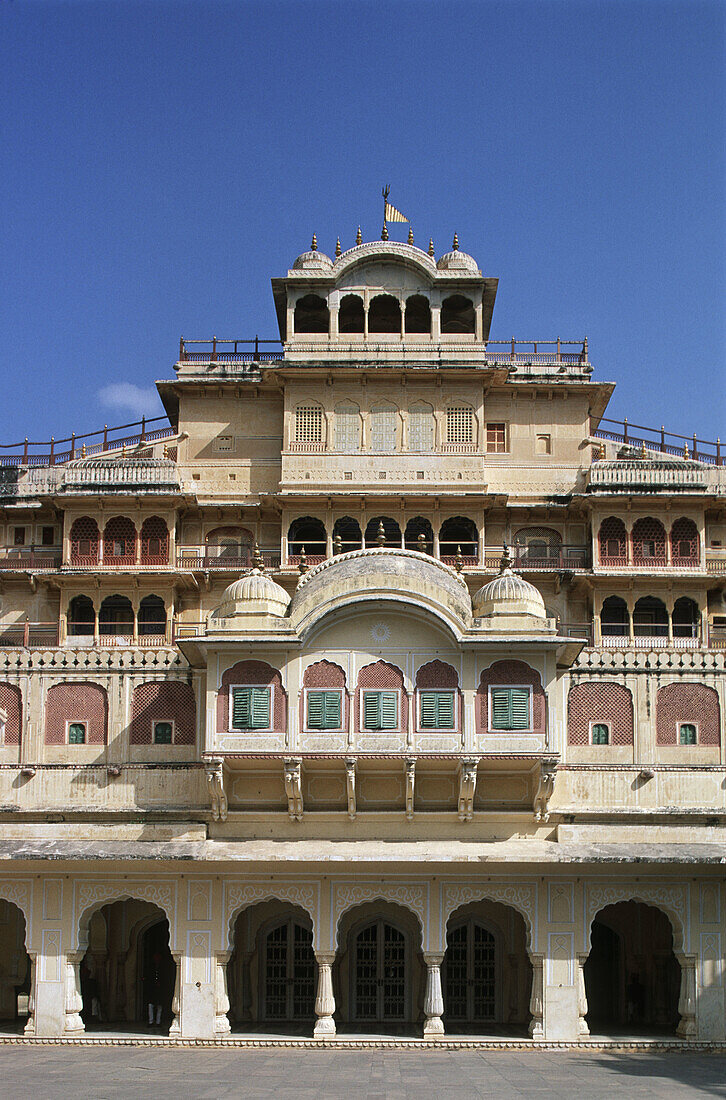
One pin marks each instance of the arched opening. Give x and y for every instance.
(649, 542)
(457, 315)
(311, 314)
(119, 542)
(152, 617)
(685, 549)
(686, 618)
(538, 547)
(306, 534)
(154, 541)
(389, 536)
(486, 976)
(85, 539)
(614, 618)
(384, 314)
(351, 316)
(632, 976)
(81, 616)
(650, 618)
(127, 974)
(346, 535)
(16, 971)
(458, 535)
(229, 548)
(613, 542)
(116, 617)
(419, 535)
(418, 314)
(272, 972)
(379, 976)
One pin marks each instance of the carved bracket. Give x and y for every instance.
(467, 787)
(545, 784)
(214, 769)
(410, 787)
(350, 771)
(293, 788)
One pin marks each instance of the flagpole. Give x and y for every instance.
(385, 192)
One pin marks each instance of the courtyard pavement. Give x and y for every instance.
(108, 1073)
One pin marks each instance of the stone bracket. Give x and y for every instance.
(350, 773)
(410, 787)
(215, 771)
(544, 786)
(467, 786)
(293, 787)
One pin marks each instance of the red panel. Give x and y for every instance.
(73, 702)
(253, 672)
(609, 703)
(11, 701)
(687, 702)
(381, 676)
(159, 701)
(510, 672)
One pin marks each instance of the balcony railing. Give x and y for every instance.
(30, 557)
(27, 634)
(660, 441)
(228, 351)
(660, 562)
(205, 557)
(55, 451)
(716, 561)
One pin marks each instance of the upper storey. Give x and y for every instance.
(386, 298)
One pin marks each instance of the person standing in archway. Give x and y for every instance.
(153, 982)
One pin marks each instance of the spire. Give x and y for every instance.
(258, 562)
(314, 244)
(506, 559)
(410, 234)
(431, 247)
(455, 245)
(359, 237)
(302, 566)
(384, 232)
(458, 560)
(381, 536)
(338, 250)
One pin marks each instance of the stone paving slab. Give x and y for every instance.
(166, 1073)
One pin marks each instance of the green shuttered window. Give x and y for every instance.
(688, 734)
(324, 710)
(600, 733)
(380, 710)
(510, 708)
(77, 733)
(162, 733)
(251, 708)
(436, 710)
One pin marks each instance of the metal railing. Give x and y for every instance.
(661, 441)
(30, 557)
(716, 561)
(206, 557)
(518, 352)
(228, 351)
(55, 451)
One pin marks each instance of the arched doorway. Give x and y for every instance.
(486, 976)
(127, 966)
(16, 971)
(379, 978)
(272, 973)
(632, 976)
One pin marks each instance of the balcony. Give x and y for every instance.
(57, 451)
(203, 558)
(22, 558)
(716, 561)
(36, 635)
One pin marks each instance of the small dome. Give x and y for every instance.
(458, 261)
(508, 594)
(313, 261)
(253, 594)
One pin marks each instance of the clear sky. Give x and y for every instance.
(163, 160)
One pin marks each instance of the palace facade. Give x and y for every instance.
(380, 690)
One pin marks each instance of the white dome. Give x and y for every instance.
(508, 594)
(458, 261)
(312, 261)
(254, 593)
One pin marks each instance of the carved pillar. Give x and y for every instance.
(325, 1000)
(434, 1000)
(74, 1002)
(29, 1028)
(687, 1001)
(582, 1028)
(175, 1028)
(536, 1000)
(221, 999)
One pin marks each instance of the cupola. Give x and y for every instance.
(254, 593)
(510, 597)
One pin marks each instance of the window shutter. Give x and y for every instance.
(332, 705)
(519, 708)
(445, 710)
(241, 708)
(688, 734)
(371, 710)
(428, 710)
(389, 710)
(77, 733)
(260, 708)
(600, 734)
(420, 430)
(500, 708)
(347, 428)
(315, 709)
(383, 429)
(162, 733)
(436, 710)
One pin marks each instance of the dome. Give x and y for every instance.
(509, 595)
(254, 593)
(313, 260)
(458, 261)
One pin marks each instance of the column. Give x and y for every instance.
(434, 1000)
(29, 1028)
(536, 1000)
(334, 311)
(582, 1028)
(222, 1025)
(435, 323)
(687, 1001)
(74, 1002)
(324, 1001)
(175, 1027)
(631, 626)
(596, 630)
(669, 610)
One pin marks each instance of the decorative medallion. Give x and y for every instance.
(380, 633)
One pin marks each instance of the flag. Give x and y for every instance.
(393, 215)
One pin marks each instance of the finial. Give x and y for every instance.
(258, 561)
(314, 244)
(603, 451)
(685, 450)
(422, 543)
(381, 536)
(338, 249)
(506, 560)
(302, 567)
(455, 245)
(431, 247)
(410, 234)
(83, 451)
(337, 545)
(123, 450)
(643, 451)
(384, 233)
(458, 560)
(359, 237)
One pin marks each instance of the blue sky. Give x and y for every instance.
(163, 160)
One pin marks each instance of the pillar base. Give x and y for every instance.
(433, 1027)
(324, 1028)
